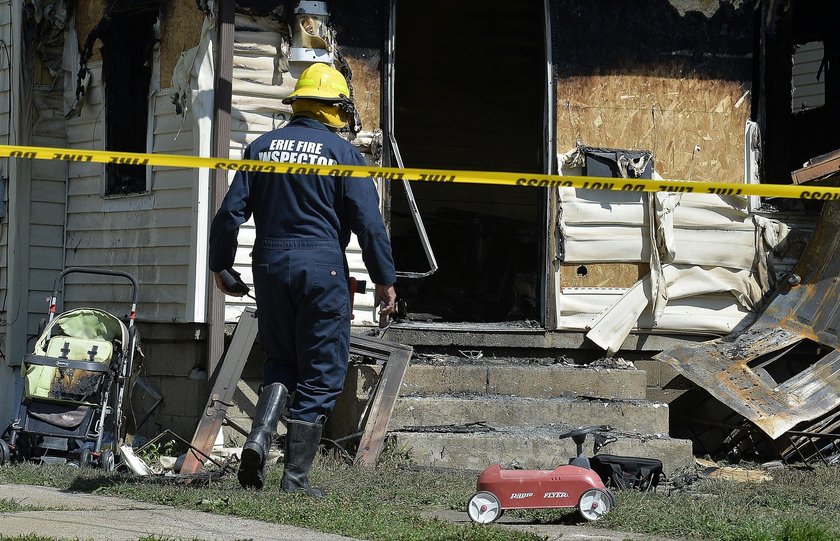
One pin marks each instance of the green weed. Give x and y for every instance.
(397, 504)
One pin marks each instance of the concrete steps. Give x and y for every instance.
(530, 447)
(524, 380)
(470, 413)
(512, 411)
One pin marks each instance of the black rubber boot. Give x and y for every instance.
(301, 446)
(270, 404)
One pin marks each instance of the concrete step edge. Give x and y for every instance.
(523, 448)
(626, 415)
(443, 397)
(526, 380)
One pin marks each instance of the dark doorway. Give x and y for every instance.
(470, 94)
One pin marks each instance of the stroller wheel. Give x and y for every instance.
(106, 460)
(84, 458)
(5, 453)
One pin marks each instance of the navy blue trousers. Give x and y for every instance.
(303, 316)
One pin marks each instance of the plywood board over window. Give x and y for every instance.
(653, 79)
(88, 15)
(180, 30)
(694, 127)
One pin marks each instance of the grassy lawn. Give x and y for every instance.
(797, 505)
(390, 503)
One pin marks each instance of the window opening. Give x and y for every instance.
(128, 38)
(127, 72)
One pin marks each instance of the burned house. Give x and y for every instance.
(728, 91)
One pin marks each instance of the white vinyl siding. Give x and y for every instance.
(147, 235)
(808, 91)
(258, 90)
(5, 93)
(707, 232)
(47, 199)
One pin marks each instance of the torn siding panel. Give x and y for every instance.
(586, 207)
(611, 327)
(172, 134)
(604, 243)
(594, 206)
(593, 243)
(709, 314)
(89, 124)
(689, 281)
(715, 248)
(709, 245)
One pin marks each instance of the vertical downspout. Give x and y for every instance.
(19, 203)
(17, 247)
(221, 149)
(548, 301)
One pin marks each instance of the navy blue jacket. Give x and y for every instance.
(300, 206)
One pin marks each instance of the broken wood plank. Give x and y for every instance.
(225, 378)
(731, 473)
(817, 168)
(385, 394)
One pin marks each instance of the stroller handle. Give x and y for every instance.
(135, 289)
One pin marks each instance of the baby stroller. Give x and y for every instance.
(75, 385)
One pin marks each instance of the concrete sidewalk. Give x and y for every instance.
(552, 532)
(74, 515)
(84, 516)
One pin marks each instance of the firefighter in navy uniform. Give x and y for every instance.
(303, 224)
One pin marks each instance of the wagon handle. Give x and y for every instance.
(579, 436)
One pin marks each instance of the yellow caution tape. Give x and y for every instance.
(424, 175)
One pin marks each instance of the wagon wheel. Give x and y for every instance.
(484, 507)
(594, 504)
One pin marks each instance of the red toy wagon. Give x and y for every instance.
(569, 486)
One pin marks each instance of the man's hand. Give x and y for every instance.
(224, 289)
(386, 297)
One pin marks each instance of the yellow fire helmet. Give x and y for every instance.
(320, 82)
(321, 92)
